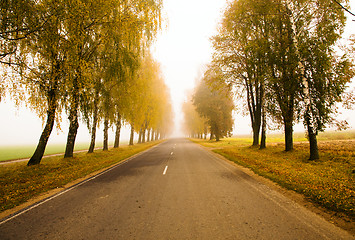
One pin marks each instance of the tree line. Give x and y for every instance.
(209, 109)
(90, 59)
(281, 59)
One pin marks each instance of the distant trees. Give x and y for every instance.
(83, 57)
(281, 54)
(216, 106)
(194, 125)
(149, 109)
(210, 109)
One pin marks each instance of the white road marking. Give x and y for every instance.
(171, 153)
(166, 168)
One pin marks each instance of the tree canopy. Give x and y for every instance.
(214, 105)
(281, 54)
(88, 58)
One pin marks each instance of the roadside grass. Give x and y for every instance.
(25, 151)
(329, 182)
(20, 183)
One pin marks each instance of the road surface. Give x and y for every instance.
(176, 190)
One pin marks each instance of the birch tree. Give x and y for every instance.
(317, 25)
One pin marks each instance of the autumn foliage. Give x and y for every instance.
(90, 59)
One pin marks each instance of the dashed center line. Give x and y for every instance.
(166, 168)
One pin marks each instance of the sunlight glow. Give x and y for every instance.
(183, 48)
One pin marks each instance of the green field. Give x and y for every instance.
(26, 151)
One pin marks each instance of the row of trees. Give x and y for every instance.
(281, 58)
(88, 58)
(209, 109)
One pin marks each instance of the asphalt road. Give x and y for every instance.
(176, 190)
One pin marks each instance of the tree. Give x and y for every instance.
(41, 65)
(284, 81)
(284, 52)
(58, 64)
(93, 21)
(240, 54)
(194, 124)
(148, 100)
(317, 26)
(216, 105)
(113, 67)
(141, 18)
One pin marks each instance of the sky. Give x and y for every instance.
(183, 48)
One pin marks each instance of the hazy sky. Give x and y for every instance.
(183, 48)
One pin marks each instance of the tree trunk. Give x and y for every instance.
(255, 137)
(152, 137)
(256, 124)
(288, 136)
(217, 134)
(312, 138)
(313, 146)
(41, 147)
(93, 135)
(105, 147)
(254, 99)
(73, 130)
(74, 122)
(132, 136)
(143, 135)
(263, 132)
(140, 136)
(148, 136)
(118, 132)
(94, 123)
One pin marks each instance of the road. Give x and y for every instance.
(176, 190)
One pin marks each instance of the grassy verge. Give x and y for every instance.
(20, 183)
(329, 182)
